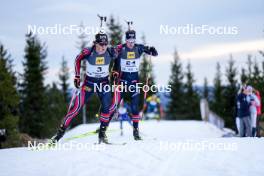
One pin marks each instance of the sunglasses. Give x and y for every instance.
(131, 40)
(103, 44)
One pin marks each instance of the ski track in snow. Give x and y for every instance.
(141, 158)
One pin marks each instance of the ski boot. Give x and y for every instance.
(136, 134)
(58, 135)
(102, 135)
(254, 132)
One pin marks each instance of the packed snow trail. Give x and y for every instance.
(156, 155)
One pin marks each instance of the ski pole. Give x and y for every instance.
(129, 24)
(116, 98)
(102, 19)
(75, 93)
(147, 83)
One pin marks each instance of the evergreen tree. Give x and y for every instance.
(115, 34)
(243, 77)
(146, 73)
(57, 109)
(257, 80)
(256, 76)
(9, 101)
(205, 89)
(174, 110)
(115, 31)
(191, 98)
(64, 77)
(217, 103)
(33, 107)
(230, 94)
(262, 82)
(83, 41)
(262, 68)
(249, 69)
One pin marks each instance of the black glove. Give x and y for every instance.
(77, 82)
(153, 51)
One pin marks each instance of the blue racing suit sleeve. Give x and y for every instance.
(147, 49)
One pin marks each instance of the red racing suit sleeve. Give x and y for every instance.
(85, 52)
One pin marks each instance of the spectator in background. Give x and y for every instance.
(258, 112)
(254, 103)
(243, 104)
(242, 88)
(123, 111)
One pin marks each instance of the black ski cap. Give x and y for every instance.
(101, 38)
(131, 34)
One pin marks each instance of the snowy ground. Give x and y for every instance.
(170, 148)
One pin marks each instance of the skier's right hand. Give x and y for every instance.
(77, 82)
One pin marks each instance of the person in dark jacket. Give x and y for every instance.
(243, 104)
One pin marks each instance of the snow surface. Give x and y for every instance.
(142, 158)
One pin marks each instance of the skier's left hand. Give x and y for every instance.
(153, 51)
(77, 82)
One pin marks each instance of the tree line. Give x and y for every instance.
(184, 101)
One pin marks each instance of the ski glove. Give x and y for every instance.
(153, 51)
(77, 82)
(115, 74)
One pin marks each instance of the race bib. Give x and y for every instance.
(128, 65)
(98, 70)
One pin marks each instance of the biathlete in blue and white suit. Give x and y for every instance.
(127, 71)
(123, 114)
